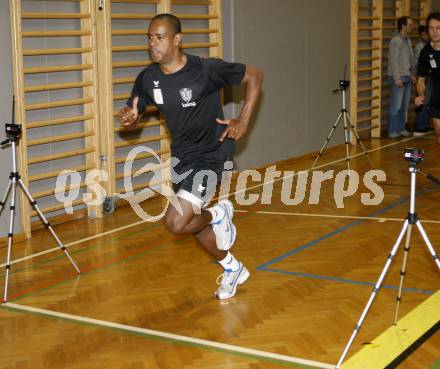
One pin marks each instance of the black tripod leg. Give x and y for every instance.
(13, 185)
(5, 196)
(347, 152)
(359, 141)
(403, 272)
(47, 224)
(327, 140)
(431, 177)
(428, 243)
(374, 294)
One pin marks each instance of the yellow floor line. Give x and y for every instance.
(395, 340)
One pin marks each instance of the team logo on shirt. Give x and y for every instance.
(157, 93)
(186, 95)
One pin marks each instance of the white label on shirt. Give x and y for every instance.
(158, 98)
(432, 62)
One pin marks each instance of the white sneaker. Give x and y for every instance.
(230, 281)
(224, 229)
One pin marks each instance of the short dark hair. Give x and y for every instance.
(422, 29)
(171, 19)
(402, 21)
(433, 15)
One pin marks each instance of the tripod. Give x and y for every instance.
(13, 131)
(411, 220)
(343, 85)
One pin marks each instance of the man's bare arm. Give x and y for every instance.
(252, 80)
(129, 116)
(420, 99)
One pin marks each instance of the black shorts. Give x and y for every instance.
(434, 110)
(200, 177)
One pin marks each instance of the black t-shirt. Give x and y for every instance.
(190, 101)
(429, 65)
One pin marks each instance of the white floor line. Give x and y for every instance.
(317, 167)
(240, 191)
(342, 216)
(98, 235)
(332, 216)
(170, 336)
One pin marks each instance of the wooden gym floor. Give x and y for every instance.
(144, 298)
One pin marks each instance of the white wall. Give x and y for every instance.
(302, 47)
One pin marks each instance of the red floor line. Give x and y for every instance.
(90, 268)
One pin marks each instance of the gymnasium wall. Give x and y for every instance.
(302, 48)
(5, 111)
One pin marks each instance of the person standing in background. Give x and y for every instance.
(401, 76)
(421, 113)
(428, 72)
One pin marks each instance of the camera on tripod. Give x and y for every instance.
(414, 156)
(343, 83)
(13, 130)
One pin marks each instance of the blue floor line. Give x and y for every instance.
(265, 266)
(349, 281)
